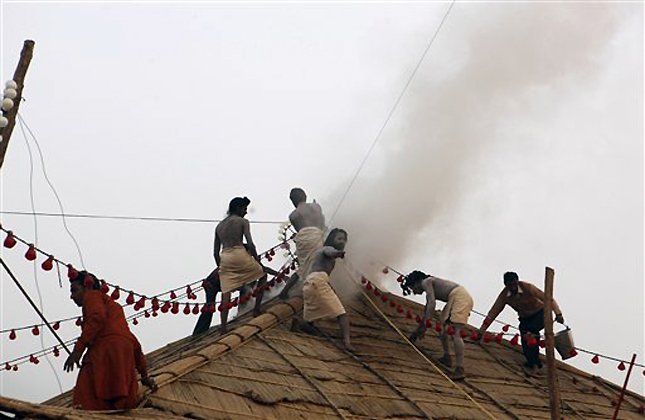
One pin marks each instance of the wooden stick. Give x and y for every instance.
(34, 306)
(622, 392)
(19, 78)
(552, 374)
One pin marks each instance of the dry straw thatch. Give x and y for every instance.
(262, 370)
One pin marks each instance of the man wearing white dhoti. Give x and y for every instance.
(320, 300)
(238, 263)
(309, 222)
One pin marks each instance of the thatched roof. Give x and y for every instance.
(262, 370)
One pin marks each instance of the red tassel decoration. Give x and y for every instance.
(386, 270)
(165, 308)
(399, 309)
(155, 304)
(173, 295)
(175, 308)
(487, 338)
(573, 353)
(78, 322)
(363, 280)
(104, 287)
(498, 338)
(621, 366)
(392, 303)
(384, 297)
(146, 314)
(48, 264)
(71, 271)
(595, 360)
(418, 319)
(35, 330)
(196, 309)
(31, 253)
(56, 326)
(450, 330)
(505, 328)
(399, 279)
(10, 240)
(130, 299)
(56, 352)
(116, 293)
(88, 281)
(186, 309)
(437, 327)
(12, 335)
(428, 323)
(474, 336)
(408, 314)
(141, 302)
(463, 333)
(515, 340)
(135, 322)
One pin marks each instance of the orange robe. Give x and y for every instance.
(108, 377)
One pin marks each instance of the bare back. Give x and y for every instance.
(441, 287)
(230, 231)
(307, 215)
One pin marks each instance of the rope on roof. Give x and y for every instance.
(395, 328)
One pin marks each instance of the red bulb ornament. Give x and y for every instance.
(10, 240)
(31, 253)
(48, 264)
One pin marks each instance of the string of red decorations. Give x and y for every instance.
(133, 298)
(174, 308)
(474, 334)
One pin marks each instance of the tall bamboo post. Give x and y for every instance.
(552, 374)
(19, 78)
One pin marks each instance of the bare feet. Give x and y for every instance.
(295, 325)
(349, 347)
(446, 360)
(458, 374)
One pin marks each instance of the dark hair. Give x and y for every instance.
(411, 280)
(333, 233)
(297, 194)
(236, 204)
(81, 277)
(510, 276)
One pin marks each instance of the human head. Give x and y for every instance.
(82, 282)
(511, 281)
(238, 206)
(337, 238)
(412, 282)
(297, 196)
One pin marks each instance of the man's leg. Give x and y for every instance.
(459, 352)
(204, 321)
(226, 297)
(344, 328)
(284, 294)
(531, 325)
(258, 296)
(445, 360)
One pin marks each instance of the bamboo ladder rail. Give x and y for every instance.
(304, 375)
(395, 328)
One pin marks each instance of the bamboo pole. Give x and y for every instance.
(552, 374)
(18, 77)
(622, 392)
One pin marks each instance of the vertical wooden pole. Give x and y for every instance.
(19, 78)
(622, 392)
(552, 374)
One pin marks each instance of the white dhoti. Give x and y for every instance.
(238, 268)
(458, 307)
(308, 241)
(320, 300)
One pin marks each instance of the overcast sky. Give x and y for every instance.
(518, 145)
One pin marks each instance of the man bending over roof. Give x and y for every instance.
(454, 316)
(308, 220)
(238, 263)
(528, 302)
(320, 300)
(108, 377)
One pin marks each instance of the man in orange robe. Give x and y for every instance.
(108, 377)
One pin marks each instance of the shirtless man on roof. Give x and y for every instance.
(309, 222)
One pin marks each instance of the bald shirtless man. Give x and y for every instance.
(308, 221)
(455, 313)
(319, 299)
(238, 263)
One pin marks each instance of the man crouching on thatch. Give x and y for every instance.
(320, 301)
(454, 316)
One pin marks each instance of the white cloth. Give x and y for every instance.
(238, 268)
(320, 300)
(308, 240)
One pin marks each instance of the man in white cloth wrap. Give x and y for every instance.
(454, 316)
(309, 222)
(320, 300)
(238, 263)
